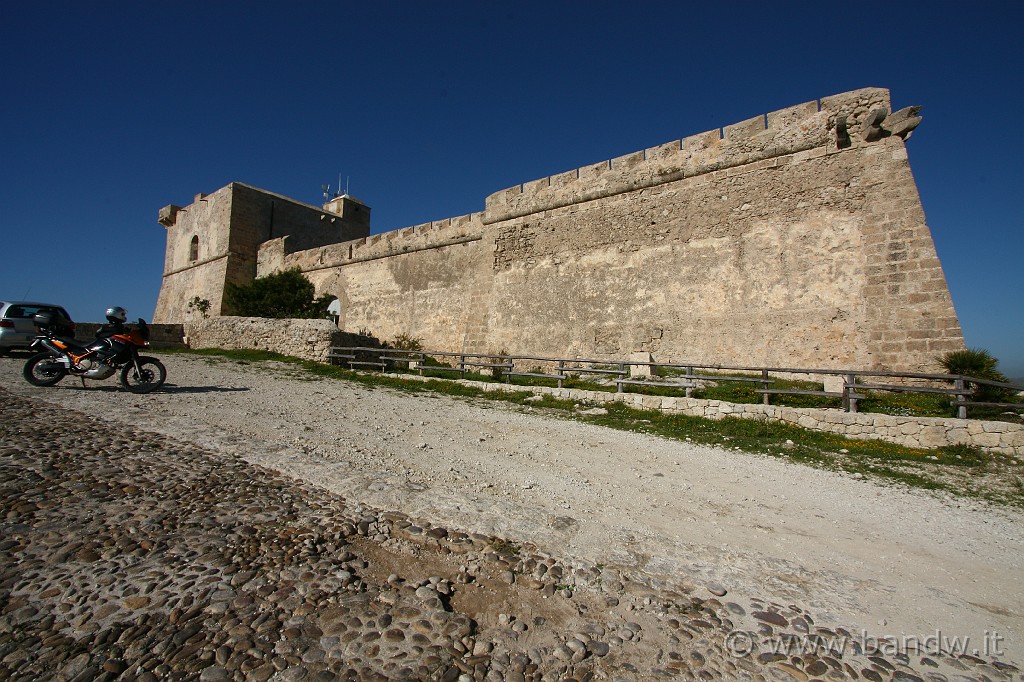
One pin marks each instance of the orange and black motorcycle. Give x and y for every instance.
(61, 356)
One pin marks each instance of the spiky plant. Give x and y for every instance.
(977, 363)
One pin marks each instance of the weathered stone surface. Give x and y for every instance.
(307, 339)
(615, 257)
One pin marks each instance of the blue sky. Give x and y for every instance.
(110, 110)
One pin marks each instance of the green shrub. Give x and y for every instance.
(406, 342)
(978, 363)
(286, 294)
(200, 305)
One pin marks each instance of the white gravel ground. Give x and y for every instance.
(853, 552)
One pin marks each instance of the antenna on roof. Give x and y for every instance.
(329, 195)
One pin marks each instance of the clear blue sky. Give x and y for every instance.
(110, 110)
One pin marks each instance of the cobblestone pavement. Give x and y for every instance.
(133, 556)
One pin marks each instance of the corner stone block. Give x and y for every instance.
(744, 129)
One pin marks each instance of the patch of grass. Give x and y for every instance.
(551, 402)
(907, 404)
(955, 469)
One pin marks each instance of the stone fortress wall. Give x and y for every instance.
(795, 238)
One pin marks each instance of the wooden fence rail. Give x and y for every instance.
(685, 376)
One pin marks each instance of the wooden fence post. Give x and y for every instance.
(961, 410)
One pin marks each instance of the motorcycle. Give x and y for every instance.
(61, 356)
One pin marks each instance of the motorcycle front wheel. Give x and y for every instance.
(149, 377)
(44, 370)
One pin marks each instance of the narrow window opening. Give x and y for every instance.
(193, 252)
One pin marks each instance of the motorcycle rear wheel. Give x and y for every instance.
(43, 369)
(149, 379)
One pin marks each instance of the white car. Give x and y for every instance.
(17, 328)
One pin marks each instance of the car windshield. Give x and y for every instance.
(27, 311)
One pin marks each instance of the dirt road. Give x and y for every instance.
(850, 552)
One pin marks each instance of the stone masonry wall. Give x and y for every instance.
(791, 239)
(423, 281)
(208, 218)
(306, 339)
(821, 260)
(160, 335)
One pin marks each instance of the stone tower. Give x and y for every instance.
(215, 240)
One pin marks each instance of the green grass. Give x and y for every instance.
(958, 470)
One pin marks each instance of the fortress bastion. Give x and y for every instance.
(795, 238)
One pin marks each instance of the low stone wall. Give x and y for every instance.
(306, 339)
(914, 432)
(160, 335)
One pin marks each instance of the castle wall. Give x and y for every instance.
(816, 261)
(773, 241)
(423, 281)
(795, 238)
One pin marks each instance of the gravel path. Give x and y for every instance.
(686, 543)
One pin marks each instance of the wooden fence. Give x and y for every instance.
(849, 386)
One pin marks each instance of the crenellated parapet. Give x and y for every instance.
(794, 238)
(277, 254)
(832, 124)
